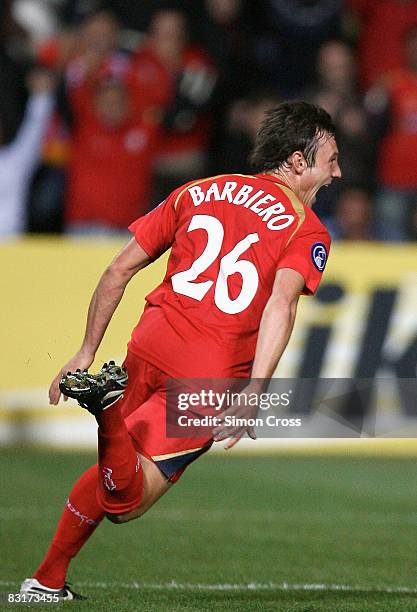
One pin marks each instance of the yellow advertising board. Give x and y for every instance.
(47, 285)
(363, 320)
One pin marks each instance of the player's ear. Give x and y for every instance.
(298, 162)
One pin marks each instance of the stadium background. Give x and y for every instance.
(322, 524)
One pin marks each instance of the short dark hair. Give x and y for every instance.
(289, 127)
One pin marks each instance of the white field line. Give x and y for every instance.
(250, 586)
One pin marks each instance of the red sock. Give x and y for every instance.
(82, 514)
(120, 490)
(120, 477)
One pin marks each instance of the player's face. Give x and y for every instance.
(325, 169)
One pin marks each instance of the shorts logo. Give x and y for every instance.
(319, 255)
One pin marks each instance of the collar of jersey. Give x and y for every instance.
(273, 179)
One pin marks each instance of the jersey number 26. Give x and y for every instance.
(183, 282)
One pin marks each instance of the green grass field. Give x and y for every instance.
(236, 533)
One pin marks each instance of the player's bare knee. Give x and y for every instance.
(117, 519)
(120, 519)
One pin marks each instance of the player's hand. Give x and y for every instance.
(240, 410)
(81, 360)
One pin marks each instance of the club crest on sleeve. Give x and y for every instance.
(319, 255)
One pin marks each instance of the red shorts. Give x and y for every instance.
(144, 409)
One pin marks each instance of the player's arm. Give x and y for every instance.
(277, 322)
(274, 333)
(104, 302)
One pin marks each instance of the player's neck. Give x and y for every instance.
(293, 182)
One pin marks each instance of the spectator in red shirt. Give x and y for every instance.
(396, 99)
(110, 171)
(383, 24)
(98, 57)
(184, 77)
(81, 56)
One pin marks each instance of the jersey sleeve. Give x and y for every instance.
(155, 232)
(307, 254)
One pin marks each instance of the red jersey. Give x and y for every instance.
(194, 84)
(229, 235)
(401, 139)
(381, 42)
(184, 93)
(110, 169)
(110, 173)
(150, 81)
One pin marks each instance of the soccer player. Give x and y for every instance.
(243, 250)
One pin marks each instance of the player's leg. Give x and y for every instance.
(119, 481)
(163, 458)
(115, 485)
(155, 484)
(120, 474)
(126, 488)
(81, 516)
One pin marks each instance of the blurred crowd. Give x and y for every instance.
(106, 106)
